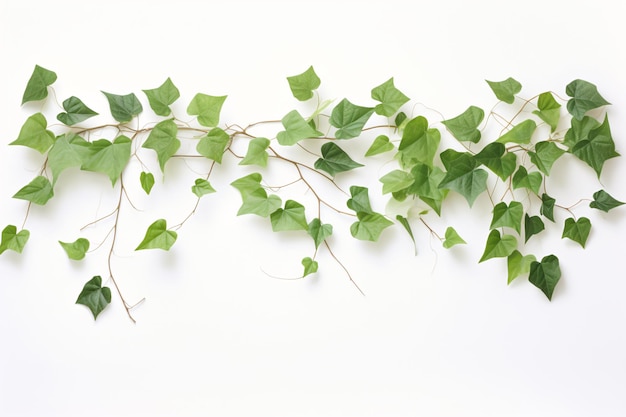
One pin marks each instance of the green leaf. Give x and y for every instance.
(584, 97)
(498, 246)
(407, 226)
(202, 187)
(257, 152)
(38, 191)
(163, 141)
(108, 157)
(292, 217)
(520, 133)
(75, 112)
(505, 90)
(123, 108)
(310, 266)
(95, 296)
(545, 274)
(213, 144)
(464, 127)
(302, 85)
(360, 201)
(547, 206)
(452, 238)
(603, 201)
(396, 180)
(37, 86)
(508, 216)
(426, 185)
(532, 226)
(369, 226)
(296, 129)
(33, 134)
(597, 148)
(518, 265)
(380, 145)
(391, 99)
(546, 153)
(349, 119)
(549, 110)
(11, 240)
(495, 157)
(76, 250)
(524, 179)
(245, 185)
(400, 119)
(158, 237)
(147, 181)
(577, 230)
(259, 203)
(319, 232)
(419, 144)
(69, 150)
(464, 178)
(334, 160)
(579, 130)
(162, 97)
(207, 108)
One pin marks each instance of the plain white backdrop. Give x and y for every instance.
(436, 335)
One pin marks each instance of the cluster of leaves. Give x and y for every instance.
(519, 158)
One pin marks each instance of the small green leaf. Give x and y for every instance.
(259, 203)
(108, 157)
(524, 179)
(407, 226)
(369, 226)
(310, 266)
(464, 127)
(505, 90)
(207, 108)
(296, 129)
(603, 201)
(549, 110)
(257, 152)
(147, 181)
(577, 230)
(495, 157)
(302, 85)
(452, 238)
(292, 217)
(76, 250)
(75, 112)
(319, 232)
(380, 145)
(391, 99)
(158, 237)
(464, 178)
(546, 153)
(597, 147)
(545, 274)
(335, 160)
(349, 119)
(584, 97)
(400, 119)
(33, 134)
(69, 150)
(518, 265)
(419, 144)
(163, 141)
(213, 144)
(202, 187)
(498, 246)
(547, 206)
(37, 86)
(396, 180)
(123, 108)
(532, 226)
(520, 133)
(38, 191)
(162, 97)
(508, 216)
(95, 296)
(11, 240)
(360, 201)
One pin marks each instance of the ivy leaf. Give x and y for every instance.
(259, 203)
(95, 296)
(257, 152)
(11, 240)
(245, 185)
(37, 86)
(579, 130)
(369, 226)
(310, 266)
(158, 237)
(349, 119)
(518, 265)
(584, 97)
(213, 144)
(334, 160)
(147, 181)
(505, 90)
(520, 133)
(400, 119)
(108, 157)
(577, 230)
(549, 110)
(380, 145)
(508, 216)
(123, 108)
(302, 85)
(532, 226)
(464, 178)
(163, 141)
(464, 127)
(426, 185)
(524, 179)
(202, 187)
(290, 218)
(546, 153)
(162, 97)
(603, 201)
(545, 274)
(319, 232)
(360, 201)
(391, 99)
(419, 144)
(33, 134)
(76, 250)
(452, 238)
(69, 150)
(495, 157)
(207, 108)
(38, 191)
(296, 129)
(396, 180)
(407, 226)
(75, 112)
(597, 148)
(498, 246)
(547, 206)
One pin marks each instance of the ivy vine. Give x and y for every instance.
(430, 162)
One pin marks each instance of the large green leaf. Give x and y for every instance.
(257, 152)
(391, 99)
(464, 178)
(518, 265)
(508, 216)
(380, 145)
(579, 130)
(544, 156)
(319, 231)
(505, 90)
(349, 119)
(419, 144)
(369, 226)
(12, 240)
(75, 112)
(545, 274)
(158, 237)
(37, 86)
(34, 134)
(123, 107)
(202, 187)
(597, 147)
(76, 250)
(335, 160)
(296, 129)
(95, 296)
(396, 180)
(360, 200)
(495, 157)
(498, 246)
(69, 150)
(464, 127)
(584, 97)
(302, 85)
(207, 108)
(162, 97)
(577, 230)
(532, 226)
(452, 238)
(604, 201)
(520, 133)
(38, 191)
(108, 157)
(213, 144)
(291, 217)
(549, 110)
(524, 179)
(163, 141)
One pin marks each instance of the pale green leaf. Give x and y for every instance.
(162, 97)
(259, 203)
(147, 181)
(207, 108)
(257, 152)
(213, 144)
(302, 85)
(369, 226)
(544, 156)
(37, 86)
(464, 178)
(498, 246)
(360, 200)
(380, 145)
(520, 133)
(202, 187)
(38, 191)
(396, 180)
(34, 134)
(296, 129)
(291, 217)
(163, 141)
(76, 250)
(310, 266)
(391, 99)
(426, 185)
(407, 226)
(319, 231)
(158, 237)
(12, 240)
(524, 179)
(464, 127)
(245, 185)
(549, 110)
(452, 238)
(505, 90)
(419, 144)
(518, 265)
(495, 157)
(69, 150)
(507, 216)
(108, 157)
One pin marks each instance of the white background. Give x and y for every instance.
(436, 335)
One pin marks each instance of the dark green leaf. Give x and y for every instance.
(292, 217)
(38, 191)
(547, 206)
(162, 97)
(257, 152)
(123, 108)
(147, 181)
(11, 240)
(400, 119)
(33, 134)
(464, 127)
(76, 250)
(310, 266)
(302, 85)
(508, 216)
(37, 86)
(380, 145)
(419, 144)
(207, 108)
(577, 230)
(464, 178)
(75, 112)
(360, 201)
(518, 265)
(202, 187)
(69, 150)
(498, 246)
(603, 201)
(95, 296)
(296, 129)
(545, 274)
(335, 160)
(549, 110)
(505, 90)
(349, 119)
(163, 141)
(108, 158)
(319, 232)
(584, 97)
(493, 156)
(158, 237)
(369, 226)
(452, 238)
(213, 144)
(597, 148)
(524, 179)
(391, 99)
(579, 130)
(520, 133)
(532, 226)
(546, 153)
(396, 180)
